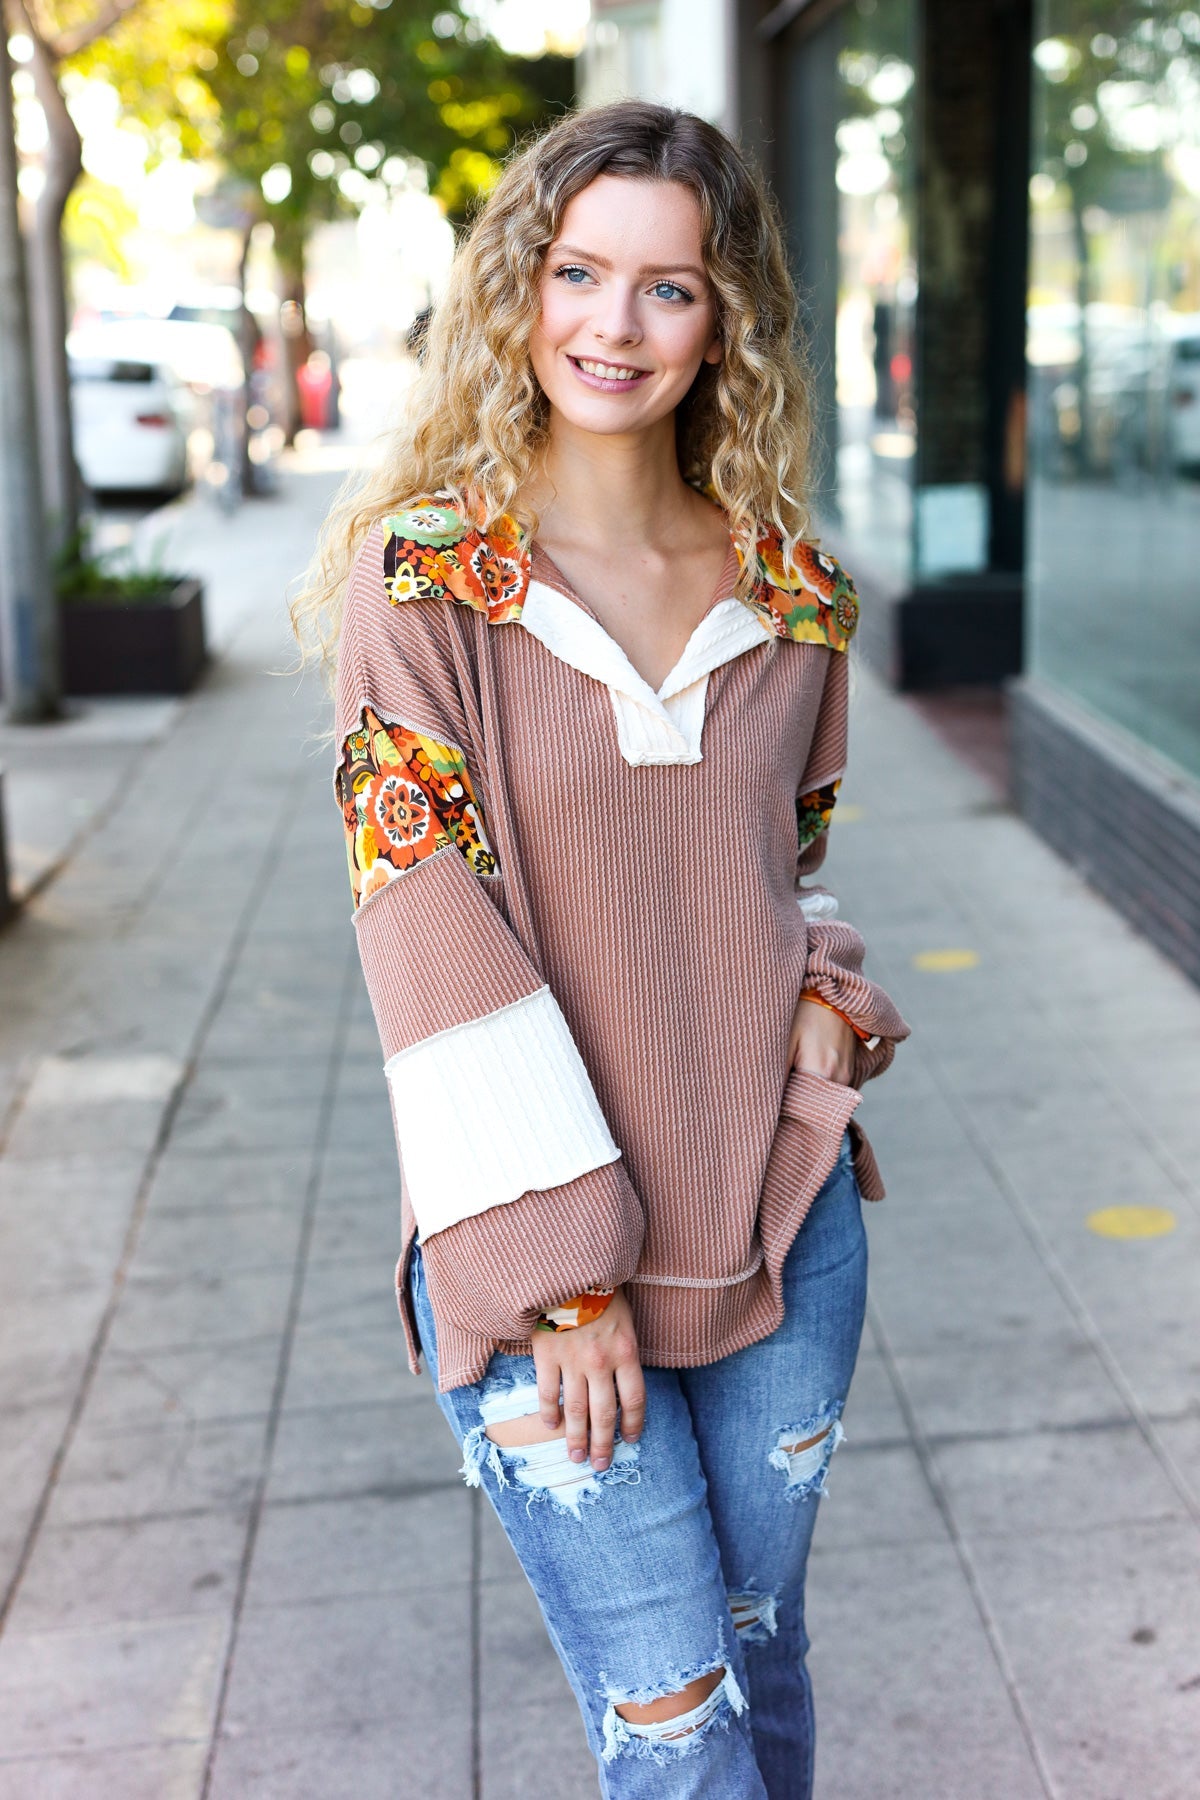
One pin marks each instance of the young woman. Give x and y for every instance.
(591, 719)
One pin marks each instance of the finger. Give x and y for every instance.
(602, 1399)
(575, 1410)
(631, 1389)
(549, 1383)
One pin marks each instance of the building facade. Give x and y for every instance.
(993, 212)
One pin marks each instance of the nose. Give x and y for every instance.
(616, 319)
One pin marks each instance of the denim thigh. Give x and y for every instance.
(626, 1570)
(749, 1409)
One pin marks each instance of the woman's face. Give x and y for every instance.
(628, 315)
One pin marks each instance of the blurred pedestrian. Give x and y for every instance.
(591, 720)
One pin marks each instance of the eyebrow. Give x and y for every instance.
(602, 262)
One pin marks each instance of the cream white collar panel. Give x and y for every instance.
(662, 727)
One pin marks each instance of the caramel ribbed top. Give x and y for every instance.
(659, 905)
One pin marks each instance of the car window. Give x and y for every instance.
(98, 369)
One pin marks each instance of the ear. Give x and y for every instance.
(715, 352)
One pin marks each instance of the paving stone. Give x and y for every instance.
(908, 1695)
(545, 1734)
(986, 1281)
(1055, 1480)
(1104, 1638)
(209, 1382)
(120, 1130)
(877, 1496)
(326, 1549)
(529, 1717)
(247, 1237)
(102, 1686)
(338, 1664)
(173, 1311)
(29, 1442)
(172, 1771)
(252, 1106)
(54, 1241)
(351, 1296)
(872, 1415)
(117, 1473)
(405, 1754)
(1180, 1437)
(357, 1233)
(44, 1349)
(344, 1367)
(1009, 1378)
(362, 1450)
(222, 1181)
(137, 1569)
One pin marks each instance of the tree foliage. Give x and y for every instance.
(332, 90)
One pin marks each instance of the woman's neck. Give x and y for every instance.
(601, 489)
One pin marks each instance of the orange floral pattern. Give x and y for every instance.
(403, 798)
(580, 1309)
(433, 553)
(814, 811)
(809, 597)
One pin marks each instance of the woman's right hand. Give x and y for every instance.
(598, 1367)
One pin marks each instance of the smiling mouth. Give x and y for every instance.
(610, 374)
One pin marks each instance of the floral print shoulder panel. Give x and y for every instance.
(404, 797)
(807, 597)
(432, 552)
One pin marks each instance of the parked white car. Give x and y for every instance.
(1184, 397)
(130, 416)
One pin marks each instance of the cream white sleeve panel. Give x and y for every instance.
(492, 1109)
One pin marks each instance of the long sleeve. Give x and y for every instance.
(518, 1190)
(836, 951)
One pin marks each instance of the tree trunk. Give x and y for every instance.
(1086, 455)
(246, 344)
(28, 608)
(63, 163)
(297, 342)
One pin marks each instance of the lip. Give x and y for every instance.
(609, 387)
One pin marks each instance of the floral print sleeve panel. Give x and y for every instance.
(814, 811)
(404, 797)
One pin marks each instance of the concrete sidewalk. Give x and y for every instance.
(237, 1558)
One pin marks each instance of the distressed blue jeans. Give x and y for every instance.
(688, 1554)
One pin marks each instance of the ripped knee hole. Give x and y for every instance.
(510, 1434)
(795, 1449)
(673, 1706)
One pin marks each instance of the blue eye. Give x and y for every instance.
(673, 290)
(568, 273)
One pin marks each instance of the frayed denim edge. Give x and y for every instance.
(620, 1735)
(828, 1420)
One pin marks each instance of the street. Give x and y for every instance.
(236, 1557)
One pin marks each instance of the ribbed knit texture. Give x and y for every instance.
(658, 903)
(535, 1122)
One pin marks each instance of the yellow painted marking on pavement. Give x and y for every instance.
(943, 962)
(1132, 1221)
(847, 813)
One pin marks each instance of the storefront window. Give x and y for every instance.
(876, 280)
(1114, 365)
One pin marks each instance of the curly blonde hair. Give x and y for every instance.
(476, 420)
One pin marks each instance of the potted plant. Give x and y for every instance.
(127, 630)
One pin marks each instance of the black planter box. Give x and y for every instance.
(152, 647)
